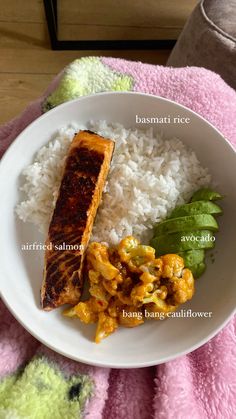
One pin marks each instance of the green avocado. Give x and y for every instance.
(187, 223)
(194, 260)
(192, 257)
(197, 207)
(205, 194)
(197, 270)
(183, 241)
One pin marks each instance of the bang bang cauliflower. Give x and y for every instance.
(129, 278)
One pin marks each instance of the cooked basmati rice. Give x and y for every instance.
(148, 177)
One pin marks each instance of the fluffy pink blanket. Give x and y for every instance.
(37, 383)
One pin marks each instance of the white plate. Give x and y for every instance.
(21, 272)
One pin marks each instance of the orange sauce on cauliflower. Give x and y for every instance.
(130, 279)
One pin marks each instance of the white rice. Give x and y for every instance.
(148, 177)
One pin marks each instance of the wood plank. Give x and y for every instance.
(22, 11)
(35, 61)
(100, 32)
(117, 12)
(24, 35)
(51, 62)
(28, 35)
(18, 90)
(148, 13)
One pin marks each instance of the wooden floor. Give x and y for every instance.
(27, 63)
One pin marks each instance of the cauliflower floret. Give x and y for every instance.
(112, 285)
(84, 311)
(176, 286)
(152, 270)
(98, 257)
(172, 265)
(168, 297)
(99, 292)
(140, 292)
(124, 295)
(183, 288)
(149, 281)
(106, 325)
(94, 277)
(179, 280)
(134, 254)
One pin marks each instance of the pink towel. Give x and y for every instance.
(199, 385)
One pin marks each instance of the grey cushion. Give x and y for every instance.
(209, 39)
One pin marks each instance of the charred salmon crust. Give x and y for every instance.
(79, 195)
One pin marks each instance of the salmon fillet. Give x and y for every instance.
(85, 172)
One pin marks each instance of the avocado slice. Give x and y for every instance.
(194, 260)
(187, 223)
(183, 241)
(197, 270)
(192, 257)
(196, 207)
(205, 194)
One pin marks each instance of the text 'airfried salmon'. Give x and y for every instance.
(84, 176)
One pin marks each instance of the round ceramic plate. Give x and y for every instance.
(21, 271)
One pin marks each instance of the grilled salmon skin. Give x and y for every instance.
(79, 195)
